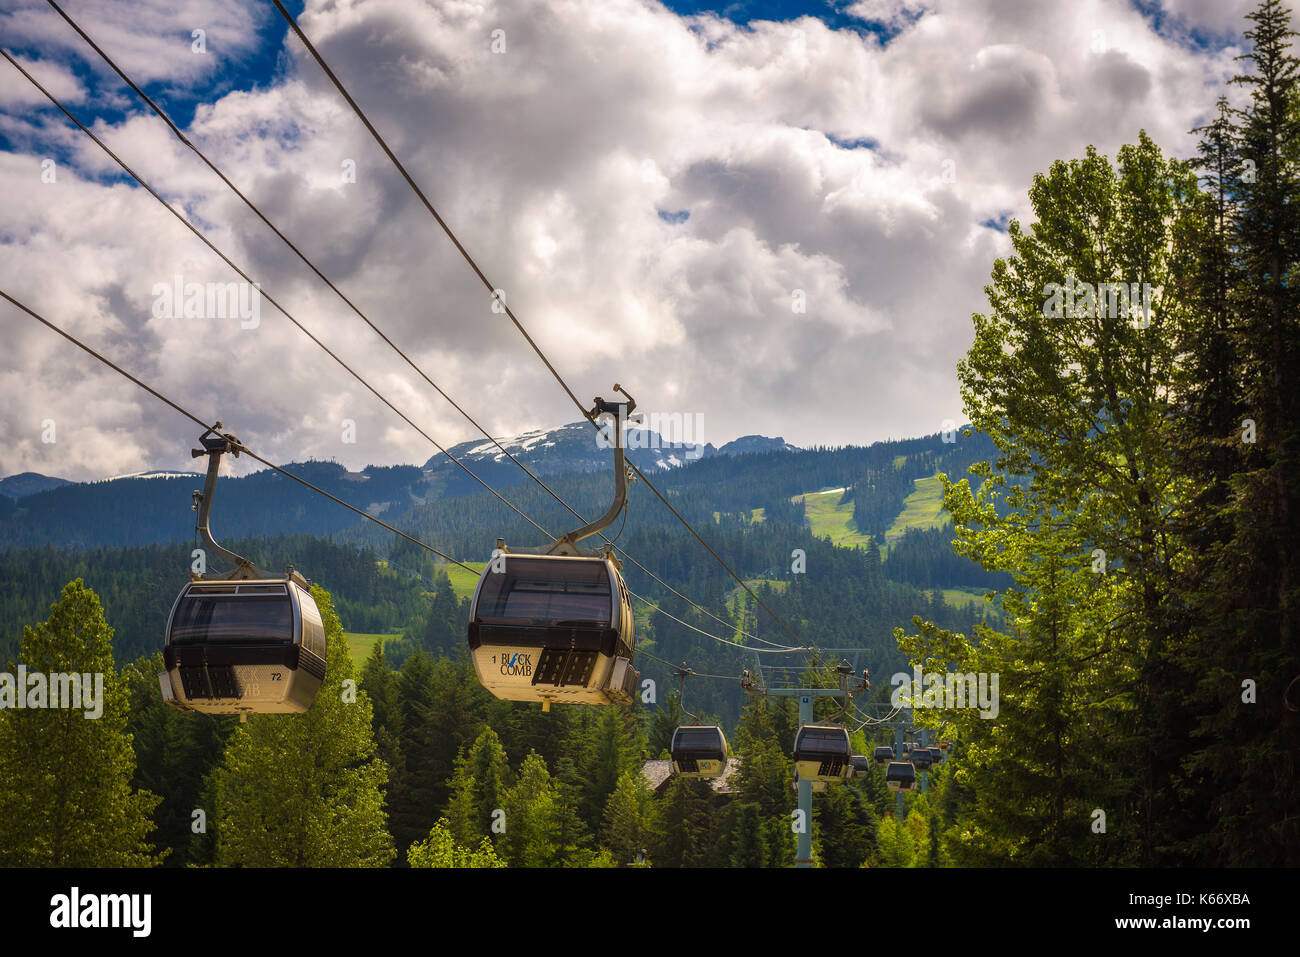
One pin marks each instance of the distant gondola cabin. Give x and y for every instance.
(900, 776)
(699, 751)
(822, 753)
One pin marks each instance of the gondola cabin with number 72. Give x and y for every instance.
(246, 642)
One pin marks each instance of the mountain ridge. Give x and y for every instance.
(751, 472)
(526, 446)
(29, 483)
(575, 447)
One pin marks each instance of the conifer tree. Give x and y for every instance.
(442, 632)
(629, 818)
(478, 789)
(380, 684)
(747, 837)
(840, 833)
(605, 744)
(686, 831)
(532, 816)
(573, 839)
(66, 798)
(305, 790)
(1244, 561)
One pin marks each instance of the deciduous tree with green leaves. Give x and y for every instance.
(1071, 380)
(440, 849)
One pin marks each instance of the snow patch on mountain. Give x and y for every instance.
(154, 473)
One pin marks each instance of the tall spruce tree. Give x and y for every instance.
(573, 840)
(532, 816)
(478, 788)
(685, 833)
(1244, 561)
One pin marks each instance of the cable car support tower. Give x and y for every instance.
(805, 696)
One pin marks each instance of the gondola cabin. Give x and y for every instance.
(699, 751)
(553, 628)
(822, 753)
(920, 757)
(936, 756)
(900, 776)
(244, 646)
(883, 754)
(861, 765)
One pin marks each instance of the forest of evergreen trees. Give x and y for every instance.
(413, 766)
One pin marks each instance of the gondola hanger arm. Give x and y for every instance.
(216, 444)
(568, 544)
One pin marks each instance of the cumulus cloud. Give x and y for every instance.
(777, 225)
(150, 39)
(890, 13)
(1213, 18)
(17, 91)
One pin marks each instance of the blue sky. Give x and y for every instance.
(242, 68)
(831, 13)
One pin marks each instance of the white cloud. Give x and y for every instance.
(1218, 18)
(891, 13)
(16, 90)
(552, 161)
(150, 39)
